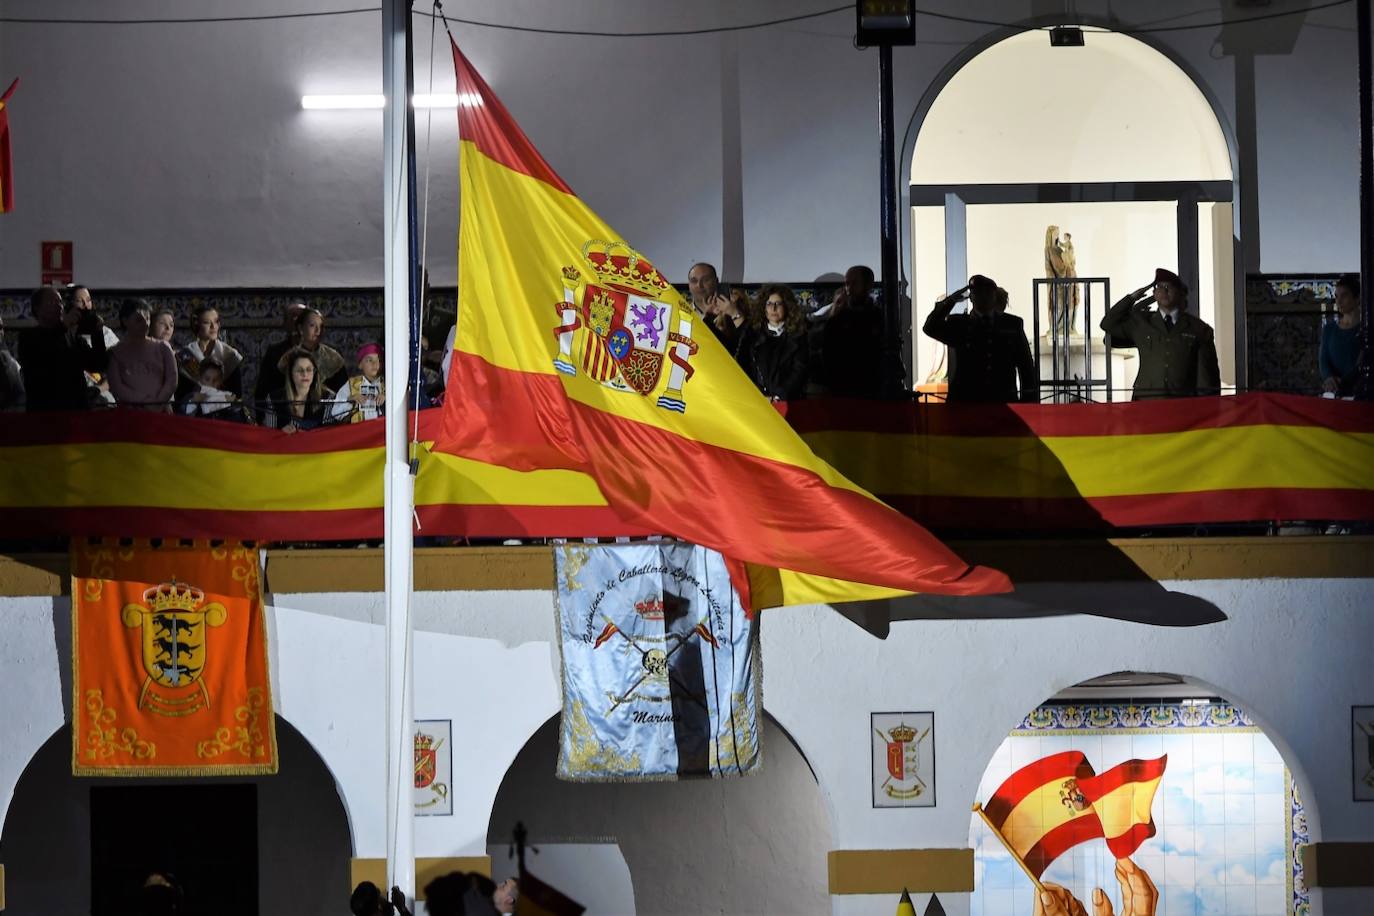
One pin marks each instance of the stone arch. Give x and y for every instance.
(1125, 229)
(1226, 806)
(304, 836)
(697, 845)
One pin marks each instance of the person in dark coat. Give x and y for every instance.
(773, 350)
(1178, 351)
(851, 342)
(989, 352)
(54, 356)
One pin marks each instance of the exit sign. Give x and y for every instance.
(55, 263)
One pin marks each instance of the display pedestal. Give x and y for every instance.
(1083, 364)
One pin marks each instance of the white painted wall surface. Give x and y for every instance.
(177, 155)
(1294, 654)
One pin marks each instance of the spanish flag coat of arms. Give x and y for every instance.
(574, 352)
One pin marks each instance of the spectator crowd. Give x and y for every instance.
(71, 360)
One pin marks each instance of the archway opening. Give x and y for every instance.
(61, 839)
(751, 845)
(1134, 781)
(1113, 144)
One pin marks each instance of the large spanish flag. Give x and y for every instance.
(6, 168)
(574, 352)
(1049, 806)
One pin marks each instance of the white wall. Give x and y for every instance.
(178, 155)
(1292, 653)
(1112, 110)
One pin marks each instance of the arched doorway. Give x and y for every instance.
(73, 845)
(1113, 143)
(1225, 818)
(754, 845)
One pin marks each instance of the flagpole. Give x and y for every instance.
(399, 486)
(978, 809)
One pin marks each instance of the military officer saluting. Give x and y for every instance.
(1178, 351)
(989, 350)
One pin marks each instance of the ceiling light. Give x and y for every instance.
(360, 102)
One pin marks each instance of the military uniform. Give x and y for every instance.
(1175, 362)
(989, 353)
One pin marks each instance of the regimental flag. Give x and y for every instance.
(660, 665)
(6, 163)
(539, 899)
(1049, 806)
(169, 662)
(574, 352)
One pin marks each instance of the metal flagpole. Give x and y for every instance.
(399, 495)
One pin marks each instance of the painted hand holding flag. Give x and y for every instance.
(574, 352)
(1049, 806)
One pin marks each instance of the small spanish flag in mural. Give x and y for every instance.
(169, 662)
(1049, 806)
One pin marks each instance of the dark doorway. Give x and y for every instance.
(205, 835)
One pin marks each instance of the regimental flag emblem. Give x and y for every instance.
(659, 665)
(169, 662)
(624, 325)
(426, 765)
(174, 620)
(904, 762)
(433, 767)
(1049, 806)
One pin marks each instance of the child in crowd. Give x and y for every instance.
(210, 398)
(366, 391)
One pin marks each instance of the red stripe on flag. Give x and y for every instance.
(486, 122)
(1069, 764)
(6, 161)
(793, 519)
(1048, 420)
(1060, 840)
(1096, 787)
(1127, 843)
(1260, 504)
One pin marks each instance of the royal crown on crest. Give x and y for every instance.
(903, 734)
(650, 608)
(173, 596)
(423, 742)
(617, 264)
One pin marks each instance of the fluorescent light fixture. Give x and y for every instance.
(343, 101)
(359, 102)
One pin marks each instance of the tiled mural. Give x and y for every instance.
(1227, 820)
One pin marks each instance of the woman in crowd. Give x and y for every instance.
(142, 371)
(303, 402)
(773, 351)
(1340, 348)
(329, 364)
(208, 346)
(164, 326)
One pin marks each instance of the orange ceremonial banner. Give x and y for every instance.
(169, 662)
(574, 352)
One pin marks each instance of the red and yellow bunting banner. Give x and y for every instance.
(169, 662)
(1250, 458)
(1254, 457)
